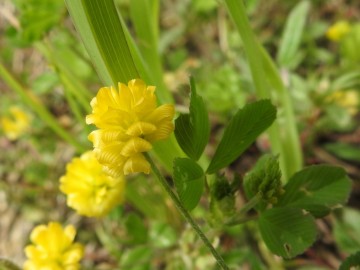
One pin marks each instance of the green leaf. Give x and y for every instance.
(287, 231)
(346, 81)
(162, 235)
(104, 38)
(344, 151)
(247, 124)
(292, 34)
(37, 17)
(45, 82)
(135, 229)
(192, 130)
(317, 189)
(346, 230)
(265, 77)
(145, 16)
(189, 181)
(351, 262)
(137, 258)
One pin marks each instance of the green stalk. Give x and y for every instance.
(186, 214)
(40, 110)
(240, 217)
(72, 89)
(284, 139)
(145, 16)
(73, 85)
(75, 109)
(292, 145)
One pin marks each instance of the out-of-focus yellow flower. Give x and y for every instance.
(346, 99)
(129, 121)
(53, 248)
(90, 191)
(16, 124)
(338, 30)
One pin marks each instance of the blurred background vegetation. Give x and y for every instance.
(48, 64)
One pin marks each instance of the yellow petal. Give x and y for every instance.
(140, 128)
(134, 146)
(73, 255)
(162, 132)
(166, 111)
(110, 154)
(136, 163)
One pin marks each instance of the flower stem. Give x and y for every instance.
(186, 214)
(240, 218)
(250, 204)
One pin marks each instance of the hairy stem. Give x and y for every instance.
(186, 214)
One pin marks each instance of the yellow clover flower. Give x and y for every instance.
(90, 191)
(53, 248)
(347, 99)
(129, 121)
(15, 125)
(338, 30)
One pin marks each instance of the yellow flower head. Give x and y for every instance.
(53, 248)
(346, 99)
(17, 124)
(90, 191)
(129, 121)
(338, 30)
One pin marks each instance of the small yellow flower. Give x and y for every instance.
(346, 99)
(338, 30)
(53, 248)
(129, 121)
(90, 191)
(15, 125)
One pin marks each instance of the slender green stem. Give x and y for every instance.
(284, 137)
(39, 109)
(74, 106)
(186, 214)
(240, 218)
(72, 83)
(250, 204)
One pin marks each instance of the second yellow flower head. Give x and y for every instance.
(90, 191)
(338, 30)
(17, 124)
(129, 121)
(53, 248)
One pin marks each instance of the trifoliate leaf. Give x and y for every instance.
(247, 124)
